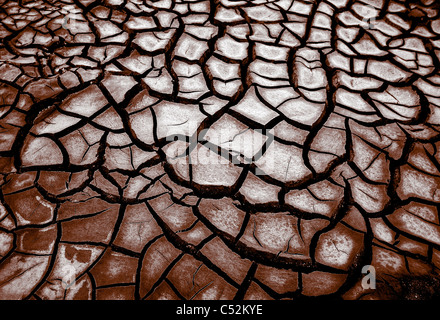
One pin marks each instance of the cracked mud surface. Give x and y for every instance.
(219, 149)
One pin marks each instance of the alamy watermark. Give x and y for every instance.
(369, 14)
(72, 15)
(221, 147)
(369, 280)
(68, 281)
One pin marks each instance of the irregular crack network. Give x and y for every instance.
(219, 149)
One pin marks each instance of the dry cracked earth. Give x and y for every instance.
(219, 149)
